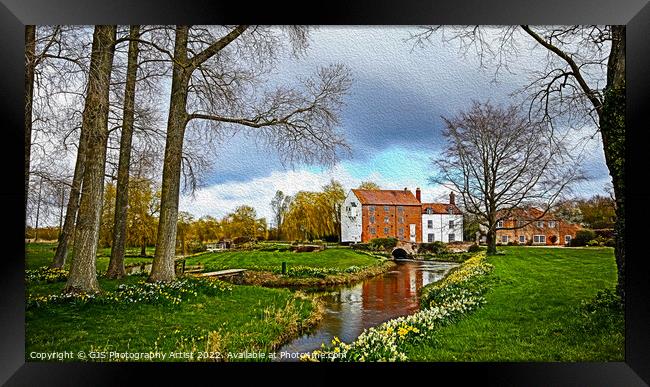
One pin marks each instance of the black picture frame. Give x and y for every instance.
(15, 14)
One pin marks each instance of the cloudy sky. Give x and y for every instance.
(392, 120)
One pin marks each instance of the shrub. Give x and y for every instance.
(513, 243)
(553, 239)
(592, 243)
(582, 237)
(432, 248)
(383, 243)
(195, 247)
(360, 246)
(474, 248)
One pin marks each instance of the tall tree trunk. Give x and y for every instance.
(116, 264)
(612, 129)
(83, 276)
(30, 63)
(38, 208)
(143, 248)
(163, 263)
(67, 232)
(491, 240)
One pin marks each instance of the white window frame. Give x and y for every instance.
(451, 237)
(431, 238)
(540, 224)
(551, 224)
(373, 231)
(522, 237)
(451, 224)
(567, 239)
(506, 237)
(500, 224)
(386, 219)
(430, 223)
(540, 239)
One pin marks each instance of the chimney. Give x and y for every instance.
(405, 189)
(417, 195)
(452, 198)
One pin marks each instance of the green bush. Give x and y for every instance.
(432, 248)
(582, 237)
(360, 246)
(383, 243)
(474, 248)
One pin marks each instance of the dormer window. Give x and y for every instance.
(450, 210)
(500, 224)
(429, 211)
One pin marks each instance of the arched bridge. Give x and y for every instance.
(404, 250)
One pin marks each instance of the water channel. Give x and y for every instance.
(351, 309)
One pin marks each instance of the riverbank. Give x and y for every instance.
(182, 321)
(332, 266)
(459, 292)
(527, 304)
(550, 304)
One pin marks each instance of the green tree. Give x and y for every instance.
(369, 185)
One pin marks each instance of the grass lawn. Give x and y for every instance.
(332, 258)
(533, 311)
(246, 318)
(41, 254)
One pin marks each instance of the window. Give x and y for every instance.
(451, 224)
(429, 238)
(567, 239)
(400, 209)
(386, 208)
(540, 224)
(522, 239)
(400, 219)
(386, 219)
(539, 238)
(371, 208)
(401, 231)
(429, 211)
(452, 237)
(386, 230)
(521, 223)
(551, 224)
(353, 204)
(504, 238)
(429, 223)
(373, 231)
(500, 224)
(450, 210)
(372, 219)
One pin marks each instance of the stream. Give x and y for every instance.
(350, 309)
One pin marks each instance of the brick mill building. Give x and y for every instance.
(369, 214)
(532, 226)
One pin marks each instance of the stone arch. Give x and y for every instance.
(400, 253)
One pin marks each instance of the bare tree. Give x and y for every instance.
(211, 88)
(116, 264)
(581, 81)
(83, 276)
(280, 206)
(497, 161)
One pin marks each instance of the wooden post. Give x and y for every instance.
(284, 268)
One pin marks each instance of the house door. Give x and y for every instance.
(412, 227)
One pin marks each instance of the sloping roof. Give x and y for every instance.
(441, 208)
(386, 197)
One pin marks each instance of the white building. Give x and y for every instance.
(351, 219)
(442, 222)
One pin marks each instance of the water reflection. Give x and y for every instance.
(349, 310)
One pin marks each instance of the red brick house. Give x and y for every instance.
(369, 214)
(529, 226)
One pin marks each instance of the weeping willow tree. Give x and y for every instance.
(315, 215)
